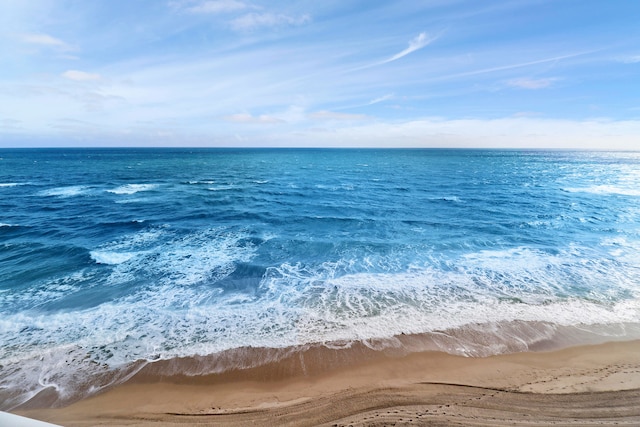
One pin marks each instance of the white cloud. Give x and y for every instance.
(420, 41)
(528, 83)
(80, 76)
(381, 99)
(43, 40)
(631, 59)
(252, 21)
(216, 6)
(509, 132)
(248, 118)
(515, 66)
(332, 115)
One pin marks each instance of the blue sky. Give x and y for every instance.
(431, 73)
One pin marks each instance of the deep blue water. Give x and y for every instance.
(108, 256)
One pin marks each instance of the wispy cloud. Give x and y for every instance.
(631, 59)
(248, 118)
(213, 6)
(529, 83)
(332, 115)
(240, 22)
(417, 43)
(43, 40)
(519, 65)
(81, 76)
(509, 132)
(381, 99)
(253, 21)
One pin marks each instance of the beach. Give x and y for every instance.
(582, 385)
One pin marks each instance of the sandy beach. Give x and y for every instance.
(585, 385)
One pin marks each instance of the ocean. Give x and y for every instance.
(115, 259)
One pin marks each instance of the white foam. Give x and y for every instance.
(46, 293)
(177, 259)
(2, 224)
(208, 182)
(133, 188)
(623, 249)
(136, 241)
(381, 305)
(9, 184)
(222, 188)
(184, 312)
(111, 258)
(62, 192)
(605, 189)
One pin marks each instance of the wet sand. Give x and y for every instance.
(586, 385)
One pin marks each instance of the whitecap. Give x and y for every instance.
(604, 189)
(207, 182)
(132, 188)
(221, 188)
(111, 258)
(62, 192)
(206, 255)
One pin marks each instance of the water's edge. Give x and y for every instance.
(276, 364)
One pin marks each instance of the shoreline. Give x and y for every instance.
(600, 381)
(85, 378)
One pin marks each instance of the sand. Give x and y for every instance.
(586, 385)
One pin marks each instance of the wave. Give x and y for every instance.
(66, 373)
(132, 188)
(205, 182)
(57, 289)
(111, 258)
(190, 305)
(604, 189)
(63, 192)
(167, 257)
(222, 188)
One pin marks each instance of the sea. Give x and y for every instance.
(112, 260)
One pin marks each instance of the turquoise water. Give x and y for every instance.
(111, 256)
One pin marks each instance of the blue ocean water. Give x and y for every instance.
(109, 257)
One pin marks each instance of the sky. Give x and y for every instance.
(348, 73)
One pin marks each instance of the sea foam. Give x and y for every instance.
(70, 191)
(605, 190)
(132, 188)
(112, 258)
